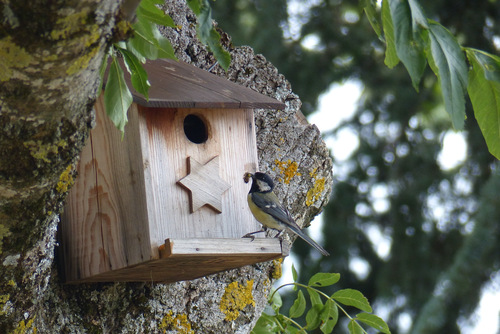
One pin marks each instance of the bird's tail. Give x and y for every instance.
(310, 241)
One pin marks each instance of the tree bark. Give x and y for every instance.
(49, 72)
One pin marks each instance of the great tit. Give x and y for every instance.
(266, 208)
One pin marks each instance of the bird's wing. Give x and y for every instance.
(268, 202)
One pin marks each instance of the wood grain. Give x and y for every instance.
(186, 261)
(175, 84)
(204, 184)
(126, 201)
(231, 136)
(105, 225)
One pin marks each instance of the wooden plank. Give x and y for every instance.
(175, 84)
(218, 246)
(106, 226)
(165, 152)
(204, 184)
(182, 265)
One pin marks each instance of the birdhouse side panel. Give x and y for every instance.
(80, 229)
(122, 178)
(105, 227)
(228, 151)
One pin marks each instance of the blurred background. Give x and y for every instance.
(413, 220)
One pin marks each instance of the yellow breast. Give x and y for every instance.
(263, 218)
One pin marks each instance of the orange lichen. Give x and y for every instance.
(236, 297)
(288, 170)
(178, 323)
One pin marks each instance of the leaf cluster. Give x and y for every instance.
(148, 43)
(416, 41)
(323, 311)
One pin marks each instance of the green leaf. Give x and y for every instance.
(324, 279)
(149, 43)
(207, 33)
(417, 14)
(490, 64)
(407, 40)
(313, 319)
(484, 93)
(117, 97)
(102, 71)
(391, 56)
(354, 327)
(276, 302)
(369, 6)
(374, 322)
(314, 297)
(148, 11)
(329, 317)
(299, 306)
(138, 74)
(165, 49)
(144, 42)
(354, 298)
(294, 273)
(294, 276)
(448, 63)
(266, 324)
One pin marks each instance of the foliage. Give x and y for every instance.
(207, 33)
(322, 315)
(148, 43)
(414, 39)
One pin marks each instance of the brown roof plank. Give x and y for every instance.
(175, 84)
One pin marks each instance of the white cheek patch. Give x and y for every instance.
(263, 186)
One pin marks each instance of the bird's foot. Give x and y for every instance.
(249, 235)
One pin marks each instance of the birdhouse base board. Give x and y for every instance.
(186, 259)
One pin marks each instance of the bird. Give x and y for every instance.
(266, 208)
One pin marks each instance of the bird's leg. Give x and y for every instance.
(280, 235)
(250, 235)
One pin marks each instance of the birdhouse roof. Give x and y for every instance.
(175, 84)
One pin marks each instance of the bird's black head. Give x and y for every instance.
(261, 182)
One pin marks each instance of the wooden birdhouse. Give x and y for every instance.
(168, 201)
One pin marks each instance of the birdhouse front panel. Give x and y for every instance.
(195, 160)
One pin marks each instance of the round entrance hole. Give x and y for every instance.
(195, 129)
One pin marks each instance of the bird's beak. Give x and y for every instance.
(247, 176)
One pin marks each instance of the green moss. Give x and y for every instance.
(82, 62)
(178, 323)
(3, 300)
(13, 56)
(69, 25)
(4, 232)
(236, 297)
(65, 180)
(41, 151)
(25, 327)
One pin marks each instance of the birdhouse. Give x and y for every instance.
(167, 202)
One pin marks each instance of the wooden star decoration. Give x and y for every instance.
(204, 184)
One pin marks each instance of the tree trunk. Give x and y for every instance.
(50, 55)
